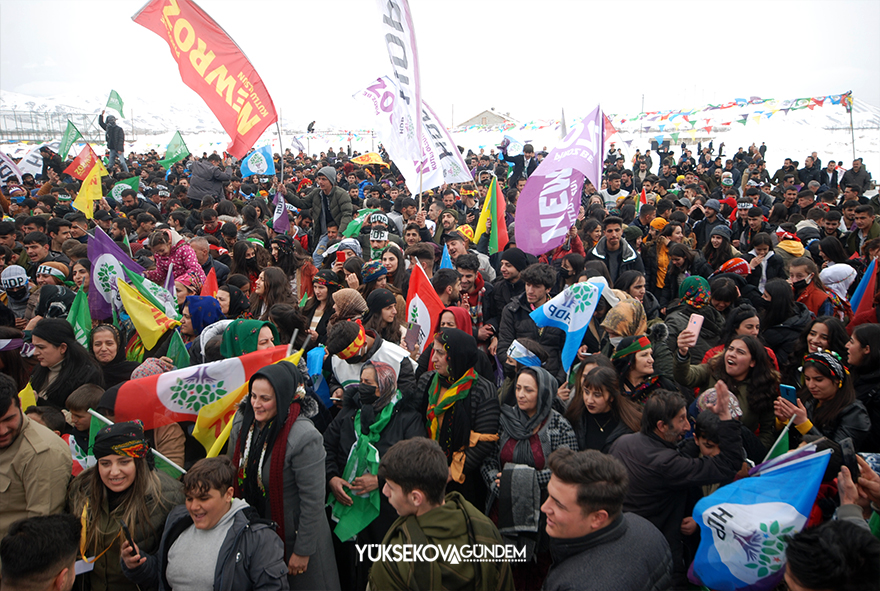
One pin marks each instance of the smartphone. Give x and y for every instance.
(695, 324)
(849, 457)
(411, 338)
(340, 256)
(789, 393)
(126, 533)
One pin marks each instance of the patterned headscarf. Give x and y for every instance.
(204, 311)
(694, 292)
(830, 360)
(122, 439)
(632, 344)
(243, 336)
(373, 271)
(328, 279)
(385, 378)
(627, 318)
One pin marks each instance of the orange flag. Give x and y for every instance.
(84, 162)
(369, 158)
(209, 287)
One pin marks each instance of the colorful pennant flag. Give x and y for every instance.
(866, 285)
(115, 103)
(445, 260)
(423, 305)
(108, 264)
(175, 152)
(570, 311)
(27, 397)
(259, 162)
(149, 321)
(494, 210)
(369, 158)
(71, 134)
(157, 295)
(781, 445)
(177, 351)
(83, 163)
(210, 287)
(80, 318)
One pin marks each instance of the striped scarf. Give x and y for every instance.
(438, 405)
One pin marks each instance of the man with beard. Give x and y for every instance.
(508, 286)
(35, 463)
(447, 284)
(661, 476)
(448, 221)
(477, 297)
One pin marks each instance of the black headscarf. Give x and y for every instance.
(55, 301)
(122, 439)
(117, 370)
(517, 425)
(461, 351)
(238, 303)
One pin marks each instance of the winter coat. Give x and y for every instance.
(854, 242)
(113, 134)
(220, 269)
(782, 337)
(677, 319)
(853, 421)
(775, 269)
(206, 180)
(675, 277)
(700, 377)
(516, 323)
(184, 259)
(107, 574)
(860, 179)
(867, 387)
(519, 167)
(251, 556)
(340, 202)
(306, 529)
(339, 438)
(629, 259)
(703, 229)
(629, 553)
(660, 477)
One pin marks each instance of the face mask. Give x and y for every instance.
(564, 273)
(509, 370)
(367, 393)
(615, 341)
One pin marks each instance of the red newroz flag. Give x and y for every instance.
(210, 288)
(214, 66)
(423, 305)
(82, 164)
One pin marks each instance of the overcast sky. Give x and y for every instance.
(529, 58)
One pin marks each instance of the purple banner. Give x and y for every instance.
(280, 220)
(107, 262)
(551, 199)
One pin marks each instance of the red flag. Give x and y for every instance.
(643, 200)
(213, 65)
(423, 306)
(210, 288)
(179, 395)
(609, 128)
(82, 164)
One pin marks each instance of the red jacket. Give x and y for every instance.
(575, 246)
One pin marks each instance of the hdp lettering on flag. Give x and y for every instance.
(280, 219)
(571, 311)
(745, 525)
(550, 201)
(259, 162)
(213, 65)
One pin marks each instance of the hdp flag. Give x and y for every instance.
(89, 193)
(108, 262)
(149, 321)
(71, 134)
(115, 102)
(869, 280)
(80, 318)
(445, 260)
(83, 163)
(354, 226)
(494, 209)
(175, 152)
(213, 65)
(259, 162)
(744, 525)
(280, 218)
(81, 457)
(156, 294)
(423, 305)
(642, 200)
(571, 311)
(133, 183)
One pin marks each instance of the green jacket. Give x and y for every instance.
(853, 243)
(340, 202)
(455, 523)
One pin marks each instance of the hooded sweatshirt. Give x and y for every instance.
(192, 559)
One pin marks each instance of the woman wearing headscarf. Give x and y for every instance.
(106, 346)
(64, 364)
(695, 299)
(634, 362)
(11, 342)
(528, 433)
(456, 317)
(374, 416)
(348, 304)
(461, 409)
(246, 336)
(319, 307)
(279, 457)
(233, 303)
(123, 486)
(199, 312)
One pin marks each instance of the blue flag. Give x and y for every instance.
(571, 311)
(446, 260)
(258, 162)
(744, 526)
(862, 286)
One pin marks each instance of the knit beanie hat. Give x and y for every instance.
(13, 277)
(515, 257)
(373, 270)
(722, 231)
(349, 300)
(658, 224)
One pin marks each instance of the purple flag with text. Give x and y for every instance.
(550, 201)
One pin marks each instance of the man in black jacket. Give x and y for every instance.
(593, 543)
(660, 476)
(615, 252)
(115, 137)
(51, 161)
(523, 165)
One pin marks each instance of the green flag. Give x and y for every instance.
(304, 299)
(177, 351)
(355, 225)
(115, 102)
(175, 152)
(98, 423)
(71, 134)
(156, 294)
(165, 466)
(781, 445)
(80, 318)
(134, 183)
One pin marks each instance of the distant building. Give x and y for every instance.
(489, 117)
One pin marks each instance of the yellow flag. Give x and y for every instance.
(369, 158)
(215, 414)
(150, 322)
(486, 213)
(90, 192)
(27, 397)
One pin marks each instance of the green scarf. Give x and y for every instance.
(362, 459)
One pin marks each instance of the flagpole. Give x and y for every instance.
(851, 129)
(107, 421)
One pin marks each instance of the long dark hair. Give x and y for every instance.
(13, 366)
(276, 290)
(782, 304)
(718, 256)
(290, 259)
(77, 367)
(736, 317)
(396, 278)
(239, 262)
(763, 379)
(681, 251)
(833, 249)
(627, 279)
(623, 408)
(825, 413)
(868, 335)
(837, 337)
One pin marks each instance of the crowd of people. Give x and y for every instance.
(724, 284)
